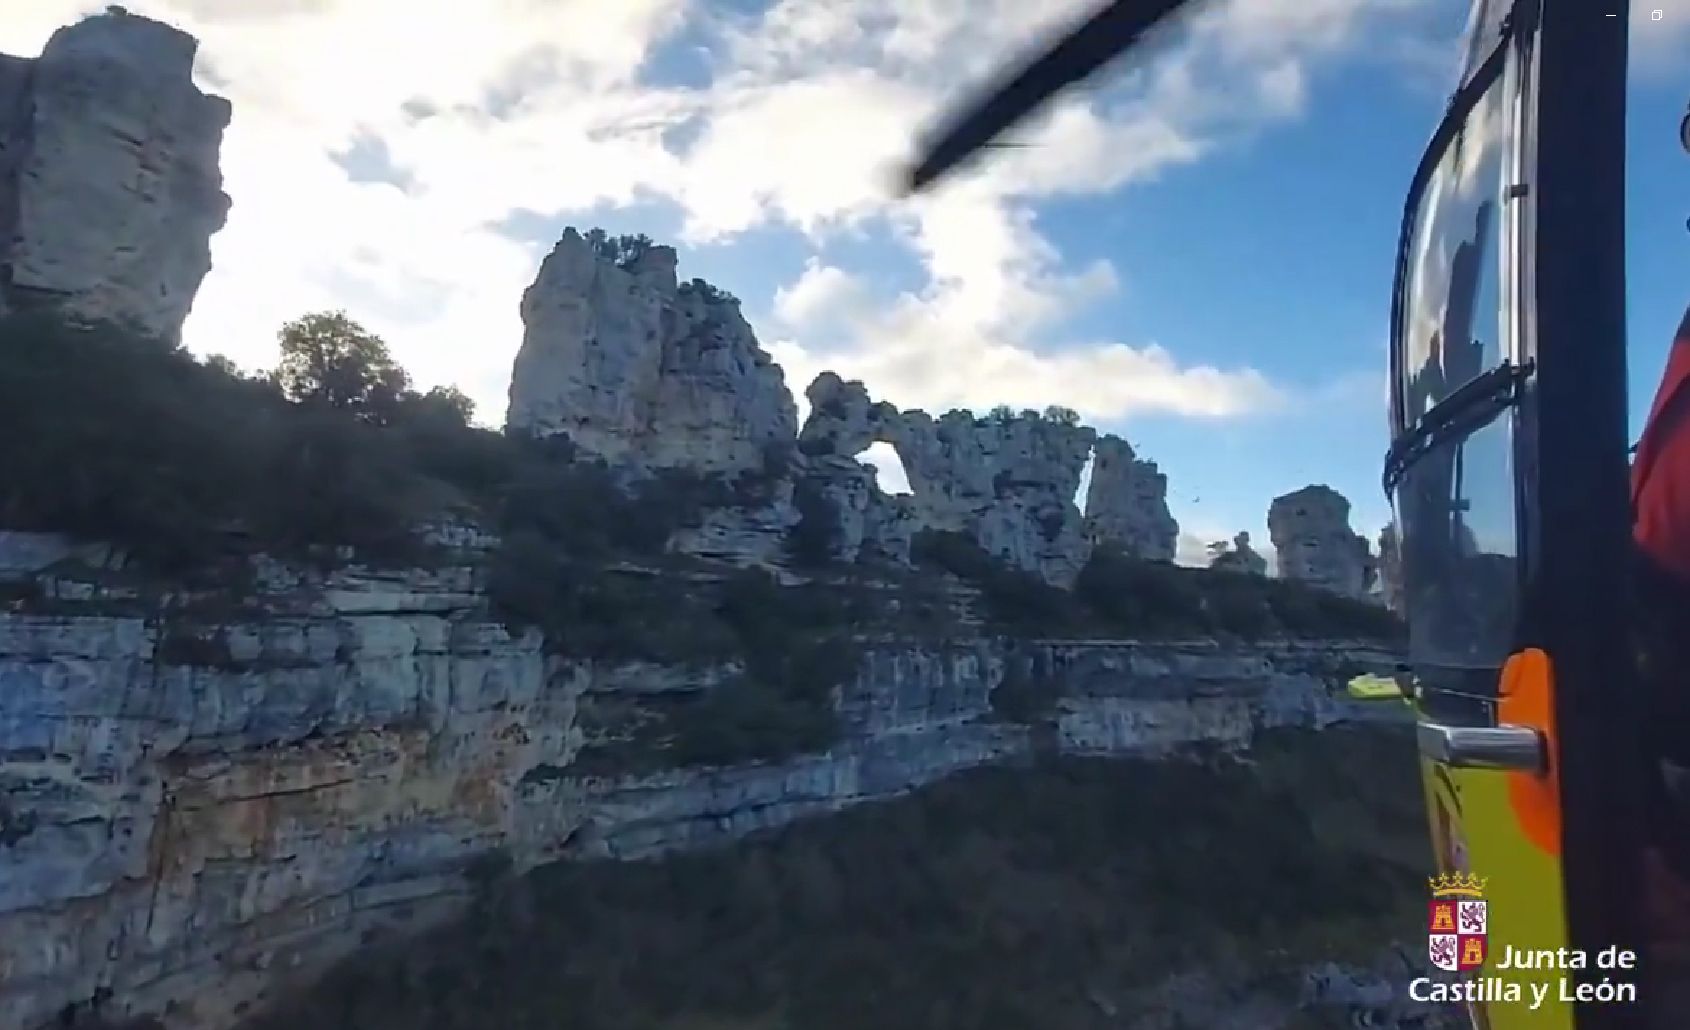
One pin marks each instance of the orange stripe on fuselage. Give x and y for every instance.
(1527, 698)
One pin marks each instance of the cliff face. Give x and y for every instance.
(110, 189)
(197, 808)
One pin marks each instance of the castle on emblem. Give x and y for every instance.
(1459, 922)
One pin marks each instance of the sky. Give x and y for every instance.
(1195, 256)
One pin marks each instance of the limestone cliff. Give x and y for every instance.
(1006, 482)
(641, 370)
(1127, 503)
(1314, 543)
(200, 802)
(110, 189)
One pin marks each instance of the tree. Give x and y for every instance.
(622, 251)
(447, 403)
(222, 363)
(711, 294)
(1003, 414)
(1062, 416)
(330, 360)
(811, 541)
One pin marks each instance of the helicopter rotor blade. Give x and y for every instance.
(1109, 32)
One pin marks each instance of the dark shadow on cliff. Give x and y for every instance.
(1014, 898)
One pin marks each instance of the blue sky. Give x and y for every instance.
(1196, 256)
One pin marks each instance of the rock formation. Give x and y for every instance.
(843, 420)
(1008, 483)
(110, 189)
(641, 370)
(1240, 557)
(192, 813)
(204, 799)
(1127, 503)
(1312, 538)
(1390, 569)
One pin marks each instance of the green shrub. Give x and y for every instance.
(1023, 696)
(1134, 596)
(797, 652)
(1013, 599)
(622, 251)
(123, 439)
(812, 541)
(750, 721)
(711, 294)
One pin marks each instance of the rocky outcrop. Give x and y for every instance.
(843, 419)
(1127, 503)
(1390, 569)
(110, 189)
(1314, 543)
(1006, 482)
(641, 370)
(195, 808)
(1240, 557)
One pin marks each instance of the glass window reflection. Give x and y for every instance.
(1455, 512)
(1453, 311)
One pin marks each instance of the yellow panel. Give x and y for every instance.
(1474, 830)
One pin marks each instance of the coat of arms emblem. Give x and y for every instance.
(1458, 924)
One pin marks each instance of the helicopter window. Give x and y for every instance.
(1455, 517)
(1453, 494)
(1452, 316)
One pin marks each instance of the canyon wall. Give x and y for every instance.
(197, 806)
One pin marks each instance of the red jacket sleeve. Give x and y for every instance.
(1660, 473)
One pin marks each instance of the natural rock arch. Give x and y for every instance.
(1008, 481)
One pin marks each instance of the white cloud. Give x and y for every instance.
(1193, 548)
(821, 293)
(539, 105)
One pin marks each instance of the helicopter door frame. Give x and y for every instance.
(1575, 505)
(1564, 377)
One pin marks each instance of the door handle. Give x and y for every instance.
(1512, 748)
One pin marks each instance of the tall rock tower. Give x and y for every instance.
(1313, 542)
(110, 189)
(639, 369)
(1127, 503)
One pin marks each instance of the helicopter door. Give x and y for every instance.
(1509, 510)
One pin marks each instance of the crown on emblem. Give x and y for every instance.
(1465, 884)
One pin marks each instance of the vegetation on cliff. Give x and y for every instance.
(183, 463)
(1067, 896)
(190, 465)
(1118, 595)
